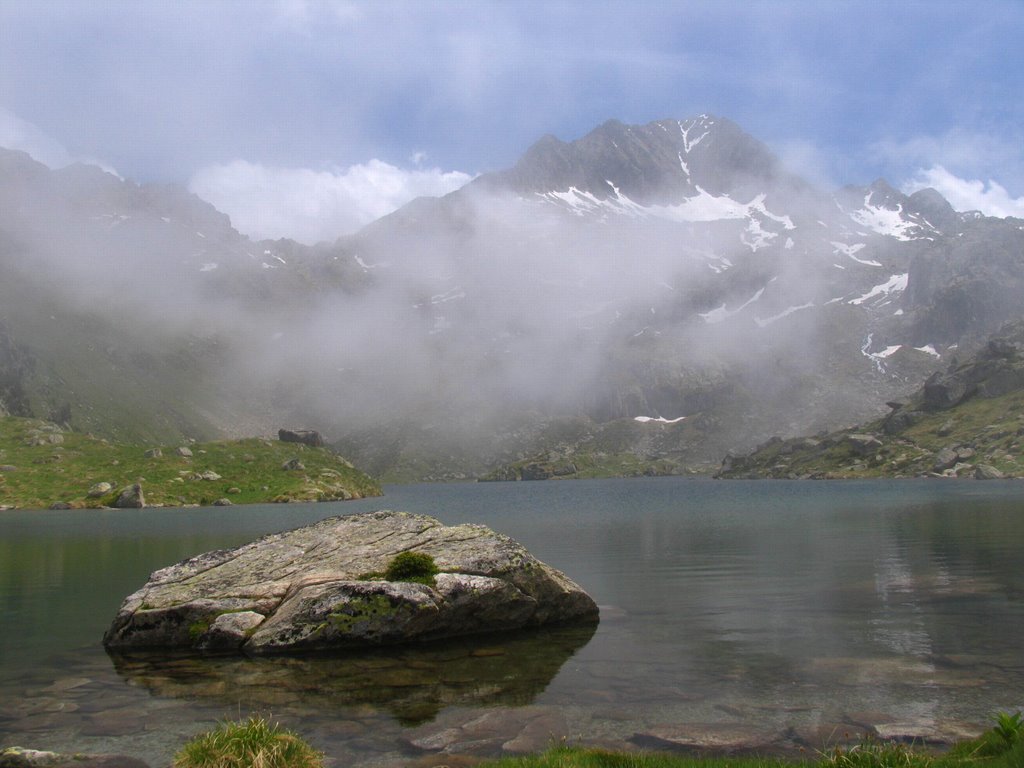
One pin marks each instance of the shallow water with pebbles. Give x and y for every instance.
(735, 616)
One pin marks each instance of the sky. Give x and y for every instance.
(310, 118)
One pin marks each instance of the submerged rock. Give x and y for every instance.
(717, 737)
(314, 588)
(19, 757)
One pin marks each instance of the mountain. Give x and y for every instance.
(644, 296)
(121, 305)
(695, 277)
(966, 421)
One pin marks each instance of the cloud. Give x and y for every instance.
(808, 161)
(310, 206)
(19, 134)
(953, 149)
(990, 197)
(16, 133)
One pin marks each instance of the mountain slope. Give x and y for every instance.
(121, 306)
(967, 421)
(693, 276)
(669, 271)
(42, 465)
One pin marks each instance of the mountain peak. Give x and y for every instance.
(658, 163)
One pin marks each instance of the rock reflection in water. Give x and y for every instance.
(412, 683)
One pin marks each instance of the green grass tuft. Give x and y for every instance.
(876, 754)
(253, 743)
(417, 567)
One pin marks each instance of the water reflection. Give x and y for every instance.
(800, 610)
(412, 683)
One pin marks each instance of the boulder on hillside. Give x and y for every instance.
(863, 445)
(995, 371)
(308, 437)
(316, 588)
(987, 472)
(96, 490)
(131, 498)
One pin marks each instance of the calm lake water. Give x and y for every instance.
(771, 614)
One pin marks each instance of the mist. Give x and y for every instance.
(494, 309)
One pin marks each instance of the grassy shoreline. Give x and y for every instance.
(42, 465)
(257, 743)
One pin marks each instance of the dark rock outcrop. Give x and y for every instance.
(316, 588)
(964, 422)
(308, 437)
(996, 370)
(131, 497)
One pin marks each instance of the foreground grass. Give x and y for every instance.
(984, 752)
(42, 466)
(257, 743)
(253, 743)
(1002, 746)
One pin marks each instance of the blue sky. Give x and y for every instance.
(348, 108)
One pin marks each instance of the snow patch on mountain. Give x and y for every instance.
(762, 322)
(367, 267)
(875, 357)
(578, 201)
(686, 127)
(657, 419)
(843, 249)
(702, 207)
(722, 313)
(885, 221)
(895, 284)
(718, 264)
(888, 351)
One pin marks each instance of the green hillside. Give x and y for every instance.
(42, 465)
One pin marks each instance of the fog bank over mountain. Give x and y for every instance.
(313, 206)
(675, 271)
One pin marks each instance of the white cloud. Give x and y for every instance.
(806, 160)
(990, 197)
(310, 206)
(957, 148)
(16, 133)
(22, 135)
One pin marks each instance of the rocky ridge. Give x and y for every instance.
(319, 588)
(966, 421)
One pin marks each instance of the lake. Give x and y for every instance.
(768, 615)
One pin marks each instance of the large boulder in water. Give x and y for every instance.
(319, 588)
